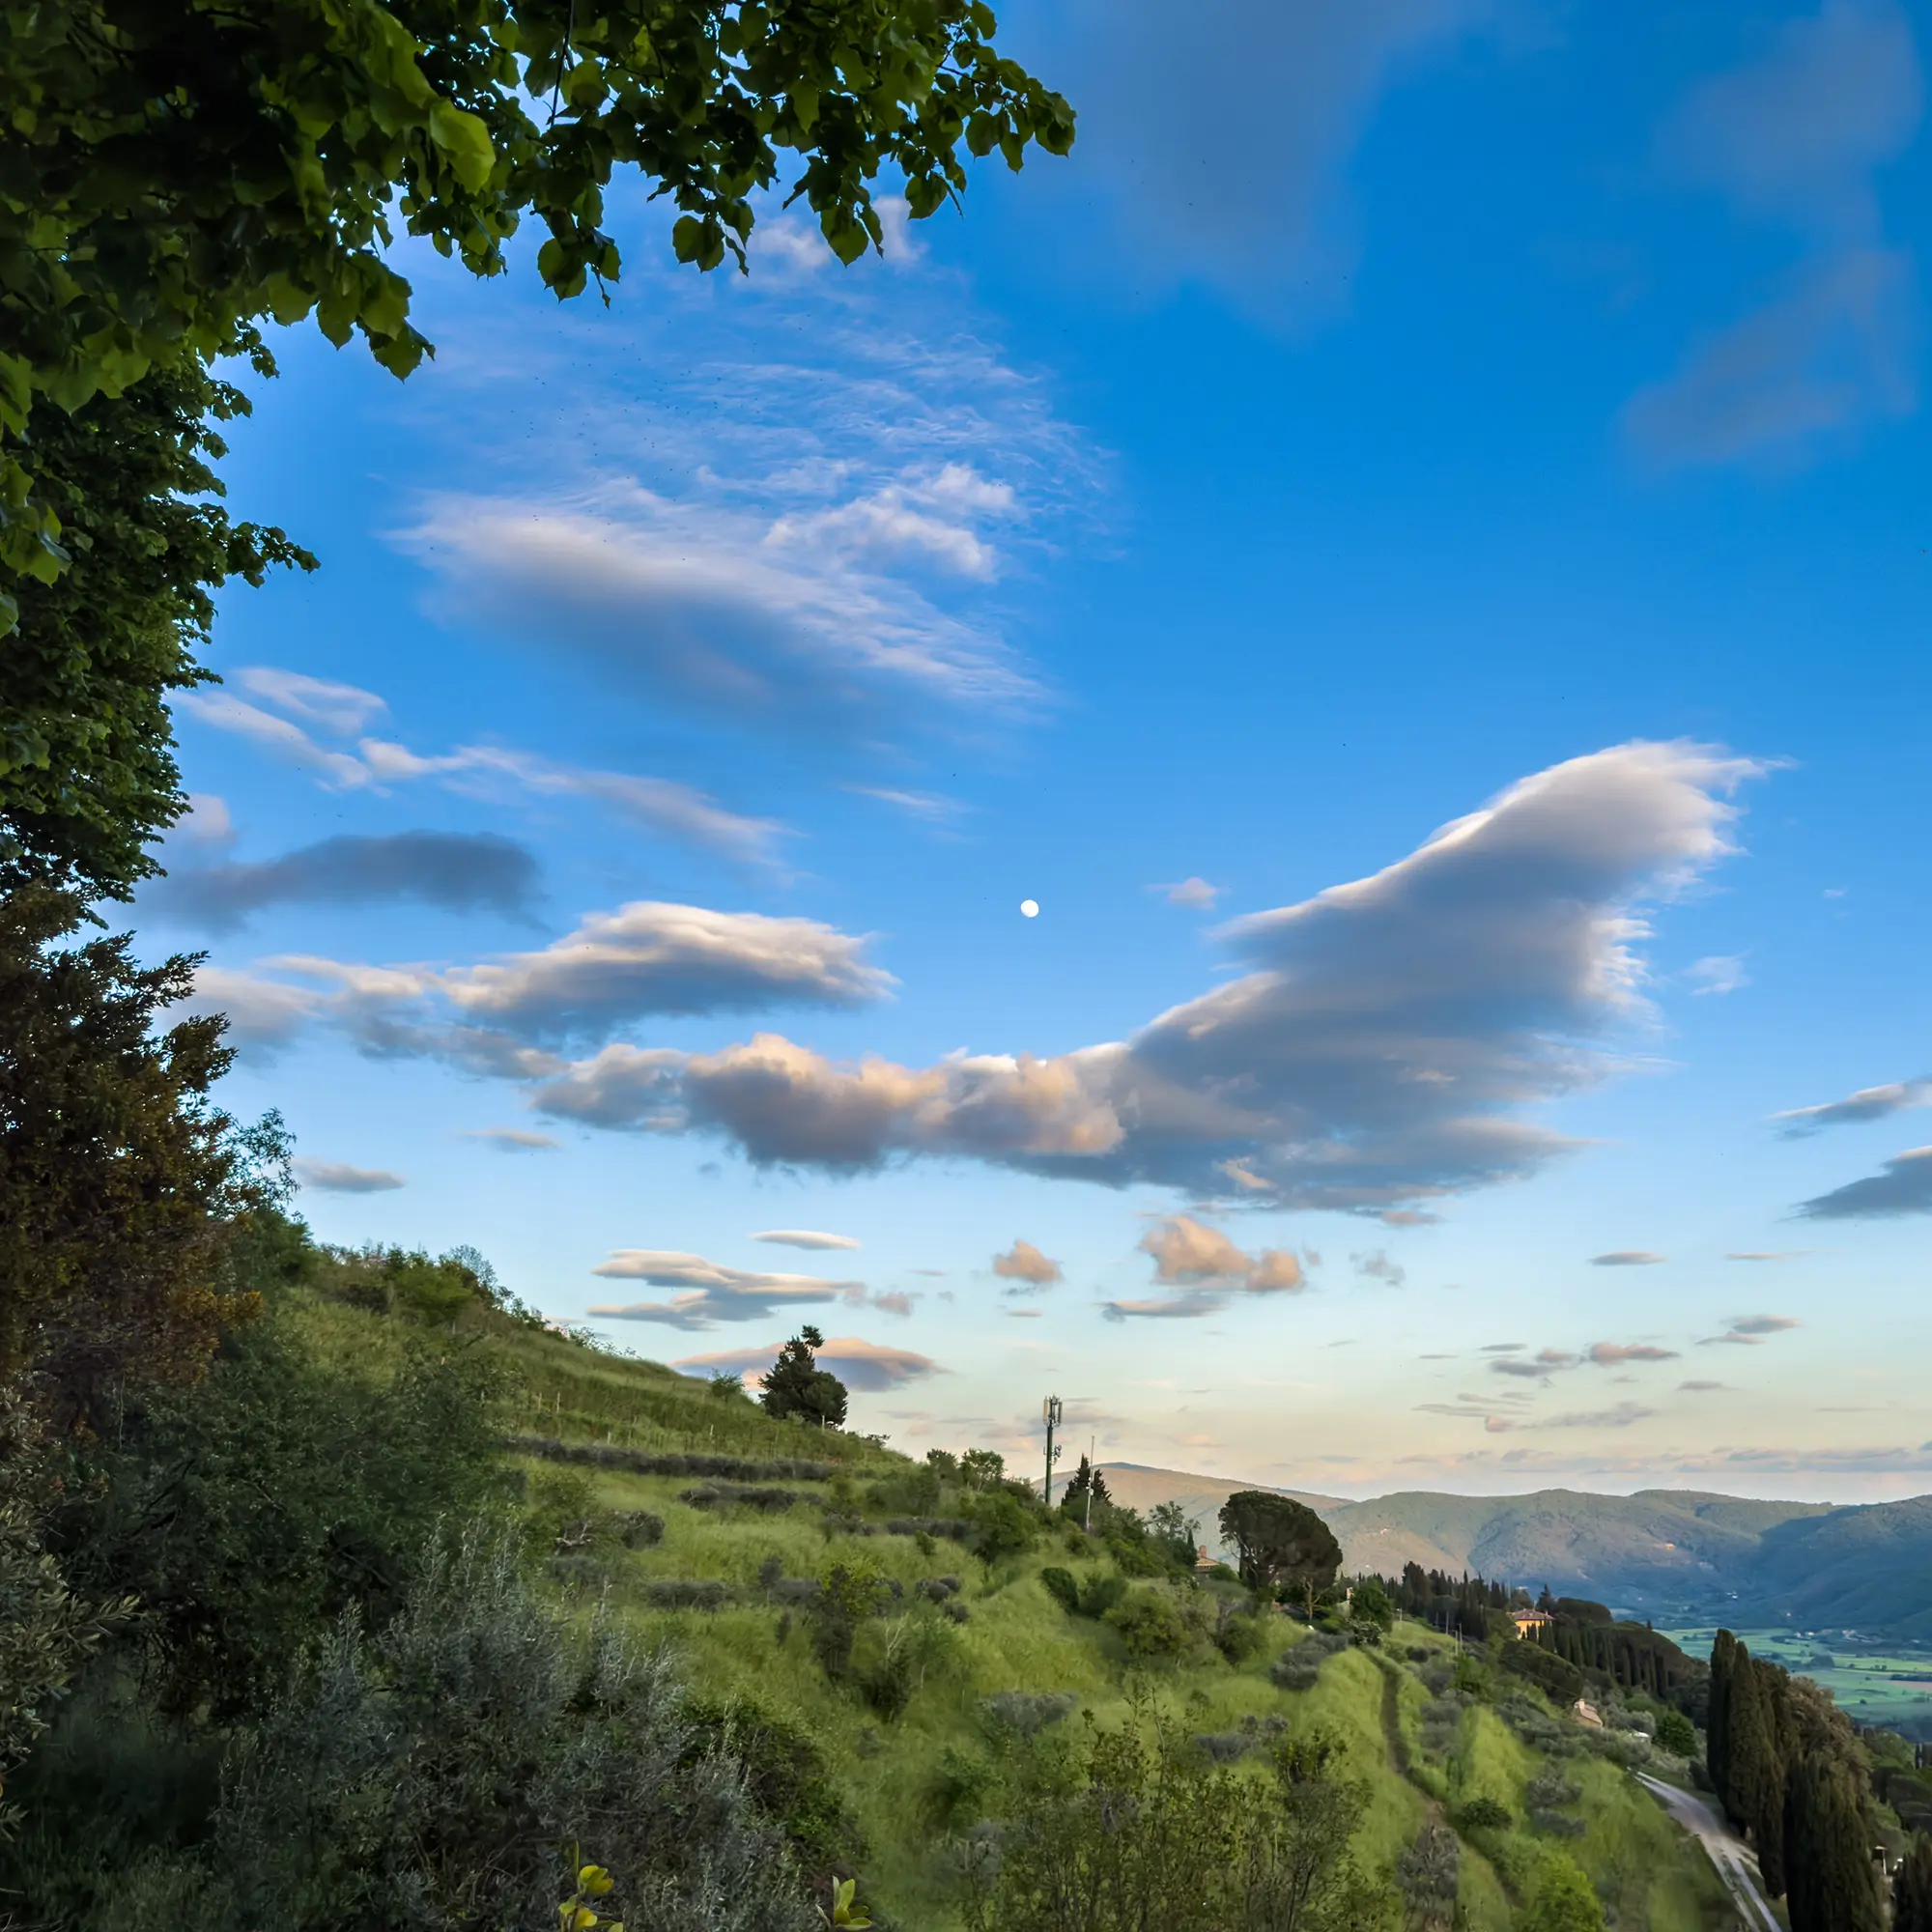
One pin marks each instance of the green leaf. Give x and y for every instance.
(465, 141)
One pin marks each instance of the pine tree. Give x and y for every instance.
(1834, 1881)
(798, 1386)
(1781, 1749)
(1912, 1889)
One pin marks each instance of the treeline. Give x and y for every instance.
(1461, 1605)
(1631, 1656)
(1789, 1769)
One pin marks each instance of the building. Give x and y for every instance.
(1526, 1623)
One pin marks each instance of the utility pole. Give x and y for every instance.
(1049, 1411)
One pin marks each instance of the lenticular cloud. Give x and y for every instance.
(1384, 1045)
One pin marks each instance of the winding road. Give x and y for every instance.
(1728, 1853)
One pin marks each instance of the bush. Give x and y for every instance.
(1101, 1594)
(1026, 1713)
(1676, 1733)
(438, 1776)
(1004, 1529)
(1151, 1626)
(1062, 1587)
(718, 1495)
(686, 1592)
(1564, 1900)
(786, 1777)
(1483, 1814)
(1239, 1634)
(253, 1510)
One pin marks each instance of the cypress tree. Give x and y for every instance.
(1780, 1748)
(1717, 1721)
(1912, 1889)
(1834, 1881)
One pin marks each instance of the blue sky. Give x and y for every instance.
(1499, 418)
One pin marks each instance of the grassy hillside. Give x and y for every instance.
(727, 1583)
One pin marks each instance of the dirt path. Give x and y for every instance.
(1727, 1852)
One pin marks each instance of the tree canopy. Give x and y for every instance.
(1280, 1541)
(180, 171)
(797, 1385)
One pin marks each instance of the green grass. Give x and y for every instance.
(1876, 1681)
(1016, 1639)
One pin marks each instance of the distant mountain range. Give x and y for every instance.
(1659, 1554)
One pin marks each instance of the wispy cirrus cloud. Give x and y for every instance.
(1795, 137)
(678, 812)
(1868, 1103)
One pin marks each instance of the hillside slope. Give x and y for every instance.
(1865, 1569)
(728, 1582)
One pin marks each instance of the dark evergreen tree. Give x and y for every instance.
(798, 1386)
(1717, 1718)
(1833, 1879)
(1912, 1888)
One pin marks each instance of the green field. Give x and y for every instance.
(1875, 1681)
(1422, 1756)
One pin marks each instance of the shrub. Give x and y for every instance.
(1004, 1529)
(1564, 1900)
(1062, 1587)
(718, 1495)
(608, 1456)
(1239, 1634)
(1100, 1594)
(1676, 1733)
(1483, 1814)
(914, 1648)
(439, 1774)
(786, 1775)
(1151, 1626)
(686, 1592)
(1026, 1713)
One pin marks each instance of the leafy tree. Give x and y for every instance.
(1911, 1885)
(1151, 1626)
(1298, 1874)
(983, 1469)
(87, 771)
(250, 1512)
(178, 174)
(1281, 1542)
(1676, 1733)
(797, 1385)
(1004, 1529)
(1168, 1523)
(1564, 1900)
(118, 1176)
(1427, 1875)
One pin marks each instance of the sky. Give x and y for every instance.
(1408, 549)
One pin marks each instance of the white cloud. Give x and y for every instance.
(1719, 973)
(207, 820)
(1231, 167)
(334, 1177)
(870, 1367)
(1627, 1258)
(1024, 1262)
(1380, 1051)
(339, 708)
(805, 1238)
(708, 1291)
(1795, 137)
(652, 958)
(1613, 1354)
(1376, 1265)
(1868, 1103)
(679, 812)
(1207, 1268)
(513, 1140)
(1903, 1186)
(1197, 894)
(1748, 1332)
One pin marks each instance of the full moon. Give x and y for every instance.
(1030, 908)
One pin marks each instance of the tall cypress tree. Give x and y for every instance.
(1834, 1881)
(1781, 1747)
(1717, 1722)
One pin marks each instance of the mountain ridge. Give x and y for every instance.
(1813, 1565)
